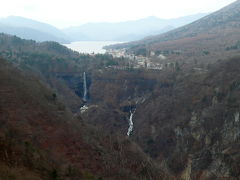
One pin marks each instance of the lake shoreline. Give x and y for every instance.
(90, 47)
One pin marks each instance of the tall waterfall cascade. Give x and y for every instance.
(84, 87)
(130, 128)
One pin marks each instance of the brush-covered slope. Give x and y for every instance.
(60, 67)
(191, 122)
(186, 120)
(42, 140)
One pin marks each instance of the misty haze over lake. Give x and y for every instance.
(90, 46)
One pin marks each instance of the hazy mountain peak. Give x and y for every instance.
(24, 22)
(129, 30)
(223, 21)
(31, 29)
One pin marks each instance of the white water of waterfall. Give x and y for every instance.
(84, 87)
(130, 128)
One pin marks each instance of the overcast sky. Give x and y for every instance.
(63, 13)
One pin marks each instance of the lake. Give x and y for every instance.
(90, 46)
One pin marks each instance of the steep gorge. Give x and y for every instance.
(188, 122)
(185, 119)
(39, 136)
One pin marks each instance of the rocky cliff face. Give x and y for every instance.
(113, 94)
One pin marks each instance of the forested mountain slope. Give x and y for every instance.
(185, 120)
(41, 139)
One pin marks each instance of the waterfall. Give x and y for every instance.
(130, 128)
(84, 87)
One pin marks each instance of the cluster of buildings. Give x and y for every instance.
(139, 61)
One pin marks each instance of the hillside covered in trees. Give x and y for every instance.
(41, 139)
(178, 122)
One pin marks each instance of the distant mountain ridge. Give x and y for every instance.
(122, 31)
(217, 32)
(129, 30)
(31, 29)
